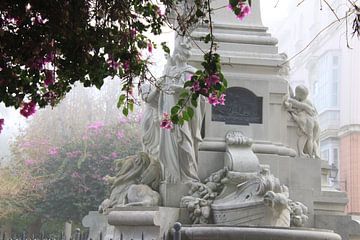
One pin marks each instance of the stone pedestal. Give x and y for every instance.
(143, 223)
(171, 193)
(97, 224)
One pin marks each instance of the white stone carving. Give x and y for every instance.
(304, 114)
(134, 184)
(178, 147)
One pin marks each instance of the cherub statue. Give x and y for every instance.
(305, 115)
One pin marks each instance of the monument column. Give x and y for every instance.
(256, 87)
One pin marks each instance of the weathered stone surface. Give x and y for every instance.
(254, 233)
(143, 223)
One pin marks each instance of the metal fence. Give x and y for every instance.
(78, 235)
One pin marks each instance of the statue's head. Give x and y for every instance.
(182, 51)
(301, 93)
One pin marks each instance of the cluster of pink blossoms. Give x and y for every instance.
(210, 81)
(244, 10)
(28, 109)
(166, 122)
(54, 151)
(214, 100)
(1, 124)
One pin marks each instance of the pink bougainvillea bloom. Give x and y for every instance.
(114, 155)
(96, 125)
(49, 77)
(245, 10)
(126, 65)
(213, 100)
(53, 151)
(1, 124)
(150, 47)
(113, 64)
(120, 134)
(29, 162)
(133, 33)
(123, 120)
(222, 99)
(75, 175)
(28, 109)
(196, 86)
(166, 122)
(230, 7)
(212, 80)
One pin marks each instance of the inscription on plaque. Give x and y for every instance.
(242, 107)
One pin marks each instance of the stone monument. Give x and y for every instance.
(253, 162)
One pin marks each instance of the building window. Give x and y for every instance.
(325, 155)
(326, 92)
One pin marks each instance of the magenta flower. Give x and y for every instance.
(49, 77)
(53, 151)
(75, 175)
(196, 86)
(28, 109)
(1, 124)
(113, 64)
(230, 7)
(166, 122)
(213, 100)
(120, 134)
(96, 126)
(29, 162)
(150, 47)
(126, 65)
(123, 120)
(212, 80)
(222, 99)
(114, 155)
(133, 33)
(245, 10)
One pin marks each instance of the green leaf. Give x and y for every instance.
(125, 111)
(186, 116)
(184, 94)
(175, 109)
(121, 100)
(194, 102)
(188, 84)
(174, 118)
(165, 47)
(190, 112)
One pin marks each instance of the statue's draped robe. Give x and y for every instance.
(178, 147)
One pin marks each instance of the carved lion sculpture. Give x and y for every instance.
(134, 184)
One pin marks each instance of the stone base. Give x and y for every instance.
(255, 233)
(97, 224)
(142, 222)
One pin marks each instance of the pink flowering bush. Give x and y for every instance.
(71, 175)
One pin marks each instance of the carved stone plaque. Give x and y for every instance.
(242, 107)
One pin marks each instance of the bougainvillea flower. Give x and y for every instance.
(166, 122)
(1, 124)
(113, 64)
(196, 86)
(28, 109)
(29, 162)
(150, 47)
(53, 151)
(222, 99)
(212, 80)
(213, 100)
(49, 77)
(245, 10)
